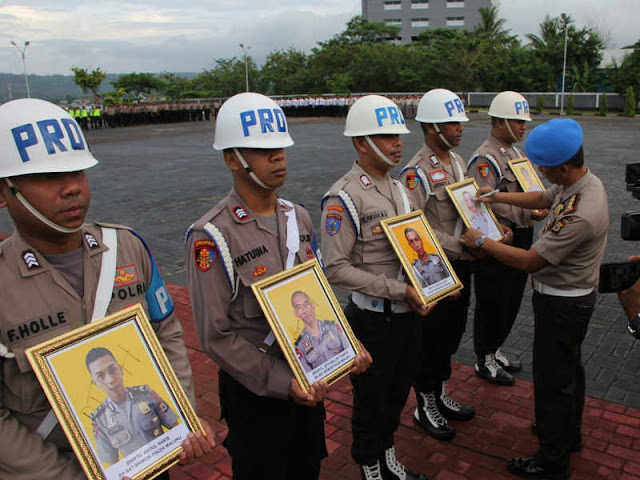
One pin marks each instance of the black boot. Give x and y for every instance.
(428, 416)
(452, 409)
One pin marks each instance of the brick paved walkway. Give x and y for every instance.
(611, 432)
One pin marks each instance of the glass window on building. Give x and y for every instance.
(393, 5)
(393, 22)
(419, 22)
(419, 4)
(455, 21)
(455, 3)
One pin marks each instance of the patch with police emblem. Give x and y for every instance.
(335, 208)
(240, 213)
(125, 275)
(259, 271)
(205, 254)
(332, 223)
(30, 260)
(376, 230)
(309, 252)
(366, 181)
(483, 169)
(438, 177)
(412, 181)
(558, 226)
(92, 243)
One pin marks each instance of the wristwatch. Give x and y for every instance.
(634, 325)
(480, 241)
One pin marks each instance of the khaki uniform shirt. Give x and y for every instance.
(39, 304)
(314, 351)
(485, 173)
(575, 237)
(440, 211)
(231, 328)
(431, 271)
(364, 263)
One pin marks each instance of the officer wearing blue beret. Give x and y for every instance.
(564, 263)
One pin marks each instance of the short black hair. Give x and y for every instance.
(577, 160)
(409, 230)
(96, 353)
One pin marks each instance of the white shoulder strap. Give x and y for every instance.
(496, 167)
(517, 151)
(405, 200)
(293, 233)
(351, 208)
(225, 254)
(424, 181)
(107, 274)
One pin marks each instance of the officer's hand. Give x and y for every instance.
(362, 361)
(481, 191)
(416, 304)
(468, 238)
(196, 445)
(539, 213)
(316, 394)
(507, 235)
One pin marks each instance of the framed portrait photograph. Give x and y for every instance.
(526, 175)
(474, 214)
(306, 319)
(116, 396)
(422, 256)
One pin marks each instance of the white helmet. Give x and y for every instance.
(440, 106)
(374, 115)
(39, 137)
(510, 105)
(251, 120)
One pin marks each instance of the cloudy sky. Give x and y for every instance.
(186, 36)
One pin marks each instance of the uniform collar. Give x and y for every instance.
(504, 149)
(365, 179)
(579, 185)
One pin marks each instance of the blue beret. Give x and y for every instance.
(554, 142)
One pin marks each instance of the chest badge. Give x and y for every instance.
(126, 275)
(438, 176)
(205, 254)
(259, 271)
(333, 223)
(30, 260)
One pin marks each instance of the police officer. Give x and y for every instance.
(565, 262)
(58, 274)
(130, 417)
(358, 257)
(276, 430)
(320, 340)
(498, 287)
(433, 167)
(428, 267)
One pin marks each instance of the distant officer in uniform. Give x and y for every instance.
(433, 167)
(498, 287)
(58, 274)
(276, 430)
(130, 417)
(429, 267)
(358, 257)
(320, 340)
(565, 262)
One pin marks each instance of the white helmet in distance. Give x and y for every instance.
(440, 106)
(374, 115)
(37, 136)
(251, 120)
(511, 106)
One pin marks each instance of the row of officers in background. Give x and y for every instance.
(275, 427)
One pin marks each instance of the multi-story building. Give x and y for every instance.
(415, 16)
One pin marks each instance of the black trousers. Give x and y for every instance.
(558, 374)
(499, 291)
(442, 331)
(269, 438)
(380, 394)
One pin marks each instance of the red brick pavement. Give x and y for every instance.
(611, 432)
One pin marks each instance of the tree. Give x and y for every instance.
(360, 30)
(226, 78)
(139, 83)
(493, 26)
(627, 74)
(89, 81)
(285, 72)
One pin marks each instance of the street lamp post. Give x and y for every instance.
(24, 64)
(564, 61)
(246, 67)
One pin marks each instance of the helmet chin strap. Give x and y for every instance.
(515, 139)
(375, 148)
(36, 213)
(439, 132)
(247, 169)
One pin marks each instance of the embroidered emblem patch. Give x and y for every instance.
(333, 223)
(558, 226)
(30, 260)
(377, 230)
(205, 254)
(483, 169)
(412, 181)
(365, 180)
(91, 241)
(335, 208)
(309, 252)
(125, 275)
(438, 176)
(259, 271)
(240, 213)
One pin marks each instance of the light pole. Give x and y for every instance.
(246, 67)
(564, 61)
(24, 63)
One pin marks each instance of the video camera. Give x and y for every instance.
(616, 277)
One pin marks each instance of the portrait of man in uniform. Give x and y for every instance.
(428, 267)
(129, 417)
(320, 340)
(474, 214)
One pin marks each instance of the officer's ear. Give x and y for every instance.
(231, 160)
(4, 192)
(361, 144)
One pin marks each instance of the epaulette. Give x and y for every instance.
(117, 226)
(97, 412)
(138, 391)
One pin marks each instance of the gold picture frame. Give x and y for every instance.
(526, 175)
(422, 257)
(474, 214)
(292, 302)
(84, 370)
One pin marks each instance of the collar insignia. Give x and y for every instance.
(92, 243)
(30, 260)
(240, 213)
(365, 180)
(434, 160)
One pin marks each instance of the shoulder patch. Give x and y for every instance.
(483, 169)
(411, 181)
(205, 254)
(558, 226)
(335, 208)
(333, 223)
